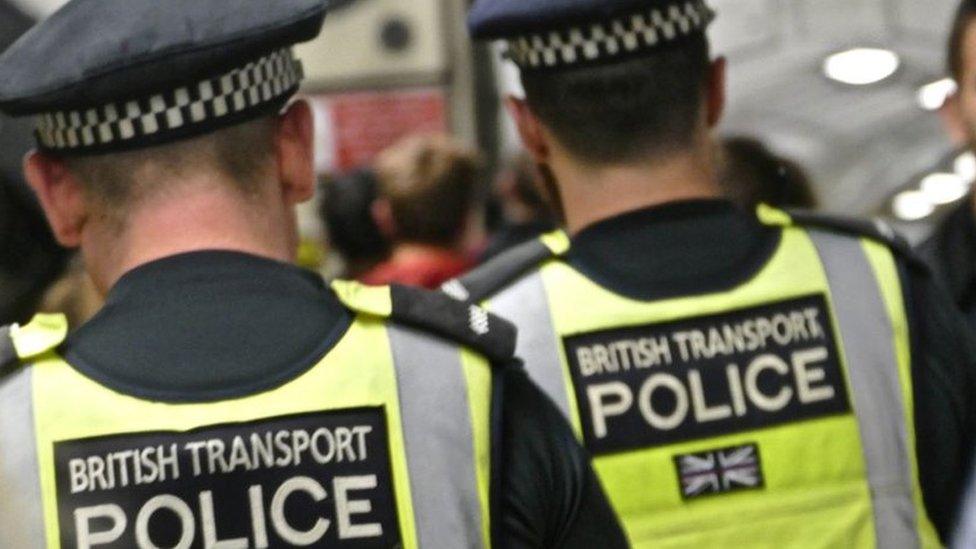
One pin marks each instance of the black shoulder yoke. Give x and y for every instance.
(876, 230)
(433, 312)
(463, 323)
(501, 271)
(8, 354)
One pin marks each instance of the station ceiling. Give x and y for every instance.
(861, 144)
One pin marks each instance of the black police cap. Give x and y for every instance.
(112, 75)
(558, 34)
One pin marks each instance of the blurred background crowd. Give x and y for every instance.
(835, 104)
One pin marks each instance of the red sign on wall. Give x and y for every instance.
(353, 128)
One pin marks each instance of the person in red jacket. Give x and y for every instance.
(428, 209)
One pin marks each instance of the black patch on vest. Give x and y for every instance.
(660, 384)
(456, 321)
(858, 228)
(322, 479)
(715, 472)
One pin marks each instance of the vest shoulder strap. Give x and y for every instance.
(434, 313)
(875, 230)
(21, 343)
(508, 267)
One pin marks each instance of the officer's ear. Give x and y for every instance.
(61, 196)
(295, 152)
(529, 128)
(716, 93)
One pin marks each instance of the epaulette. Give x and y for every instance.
(19, 344)
(435, 313)
(874, 229)
(508, 267)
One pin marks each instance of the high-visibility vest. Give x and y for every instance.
(778, 413)
(384, 443)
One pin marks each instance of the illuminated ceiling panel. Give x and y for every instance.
(927, 18)
(840, 21)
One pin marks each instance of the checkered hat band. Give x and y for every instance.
(256, 85)
(644, 30)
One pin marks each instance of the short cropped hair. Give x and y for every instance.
(965, 15)
(239, 154)
(431, 184)
(647, 105)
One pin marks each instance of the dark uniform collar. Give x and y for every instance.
(208, 326)
(676, 249)
(188, 268)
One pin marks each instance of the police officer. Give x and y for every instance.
(223, 398)
(742, 379)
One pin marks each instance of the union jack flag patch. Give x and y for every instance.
(719, 471)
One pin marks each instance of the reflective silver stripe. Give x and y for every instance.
(439, 440)
(526, 303)
(868, 341)
(21, 511)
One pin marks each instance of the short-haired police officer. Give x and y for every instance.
(223, 398)
(742, 378)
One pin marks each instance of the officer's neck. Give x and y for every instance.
(592, 193)
(202, 218)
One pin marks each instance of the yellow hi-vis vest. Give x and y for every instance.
(384, 443)
(776, 414)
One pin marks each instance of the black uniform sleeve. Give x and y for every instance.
(944, 381)
(550, 496)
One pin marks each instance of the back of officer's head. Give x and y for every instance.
(646, 106)
(256, 165)
(239, 158)
(139, 103)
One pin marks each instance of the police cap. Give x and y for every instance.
(558, 34)
(111, 75)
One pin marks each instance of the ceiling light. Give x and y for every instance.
(965, 166)
(39, 8)
(944, 188)
(932, 96)
(912, 206)
(861, 66)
